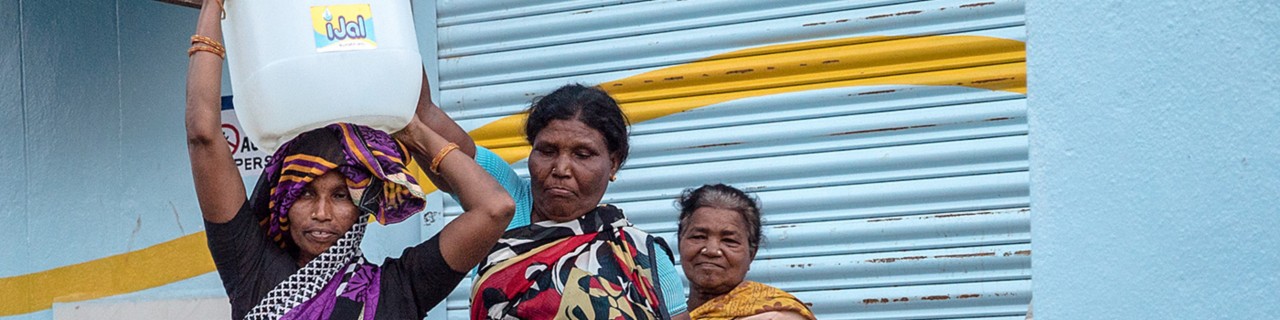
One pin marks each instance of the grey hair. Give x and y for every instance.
(725, 197)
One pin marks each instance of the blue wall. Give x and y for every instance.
(12, 160)
(92, 144)
(93, 150)
(1155, 158)
(91, 138)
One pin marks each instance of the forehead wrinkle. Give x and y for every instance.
(327, 183)
(575, 141)
(699, 228)
(704, 228)
(572, 130)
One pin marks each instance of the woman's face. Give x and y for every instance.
(321, 215)
(570, 166)
(714, 252)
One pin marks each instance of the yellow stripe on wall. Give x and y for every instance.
(161, 264)
(971, 61)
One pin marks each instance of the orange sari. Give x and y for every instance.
(748, 299)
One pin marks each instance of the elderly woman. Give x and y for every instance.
(566, 255)
(292, 249)
(719, 232)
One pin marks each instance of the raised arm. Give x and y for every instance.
(441, 123)
(218, 184)
(488, 209)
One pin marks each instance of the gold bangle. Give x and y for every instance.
(216, 49)
(435, 162)
(197, 48)
(199, 39)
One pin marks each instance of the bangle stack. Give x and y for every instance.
(435, 162)
(206, 44)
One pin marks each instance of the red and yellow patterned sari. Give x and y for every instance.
(595, 267)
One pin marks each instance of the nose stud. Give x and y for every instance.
(562, 172)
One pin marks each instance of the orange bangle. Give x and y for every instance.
(195, 39)
(196, 48)
(435, 162)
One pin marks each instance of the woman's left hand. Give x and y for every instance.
(488, 208)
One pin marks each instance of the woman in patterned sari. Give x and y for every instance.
(566, 255)
(719, 234)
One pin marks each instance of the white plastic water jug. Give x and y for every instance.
(298, 65)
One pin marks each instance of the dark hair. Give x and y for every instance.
(722, 196)
(591, 106)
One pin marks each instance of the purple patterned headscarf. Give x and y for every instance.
(372, 162)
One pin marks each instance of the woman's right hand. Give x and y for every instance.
(218, 184)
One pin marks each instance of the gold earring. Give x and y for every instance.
(613, 177)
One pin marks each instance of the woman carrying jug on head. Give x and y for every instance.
(291, 249)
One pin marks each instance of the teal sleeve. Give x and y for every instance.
(672, 286)
(516, 186)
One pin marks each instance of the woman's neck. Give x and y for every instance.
(299, 258)
(538, 215)
(698, 296)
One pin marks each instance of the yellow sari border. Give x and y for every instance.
(750, 298)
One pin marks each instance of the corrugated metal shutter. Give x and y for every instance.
(886, 139)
